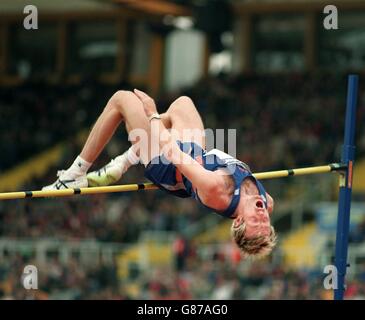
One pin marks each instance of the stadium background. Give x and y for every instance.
(266, 68)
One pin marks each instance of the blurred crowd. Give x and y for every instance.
(225, 277)
(357, 235)
(34, 117)
(221, 277)
(57, 280)
(292, 119)
(282, 121)
(118, 218)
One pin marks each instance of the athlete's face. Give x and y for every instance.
(252, 210)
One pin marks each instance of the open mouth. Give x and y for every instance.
(259, 204)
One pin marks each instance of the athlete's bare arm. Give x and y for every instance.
(209, 185)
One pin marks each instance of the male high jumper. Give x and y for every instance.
(176, 161)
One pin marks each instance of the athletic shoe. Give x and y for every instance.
(105, 176)
(65, 181)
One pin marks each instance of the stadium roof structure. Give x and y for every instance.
(156, 7)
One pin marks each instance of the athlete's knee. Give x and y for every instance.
(122, 96)
(183, 101)
(180, 106)
(123, 99)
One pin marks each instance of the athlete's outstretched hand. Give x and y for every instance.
(149, 105)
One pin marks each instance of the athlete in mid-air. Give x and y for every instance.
(176, 161)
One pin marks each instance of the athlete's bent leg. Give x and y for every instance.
(123, 105)
(186, 121)
(181, 117)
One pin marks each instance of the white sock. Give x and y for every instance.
(78, 168)
(127, 159)
(133, 158)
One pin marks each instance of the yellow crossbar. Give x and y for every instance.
(150, 186)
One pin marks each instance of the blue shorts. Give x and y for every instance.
(165, 175)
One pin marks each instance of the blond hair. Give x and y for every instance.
(253, 247)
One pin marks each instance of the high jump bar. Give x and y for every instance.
(150, 186)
